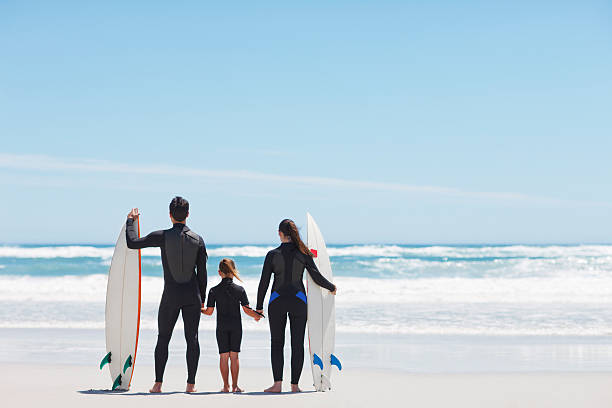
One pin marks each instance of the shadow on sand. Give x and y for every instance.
(132, 394)
(125, 393)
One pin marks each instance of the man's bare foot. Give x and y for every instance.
(236, 388)
(190, 388)
(225, 388)
(295, 388)
(277, 387)
(156, 388)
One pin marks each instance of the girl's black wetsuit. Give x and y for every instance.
(228, 297)
(182, 251)
(288, 298)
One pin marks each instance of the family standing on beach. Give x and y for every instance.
(184, 257)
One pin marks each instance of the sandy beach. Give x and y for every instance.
(74, 386)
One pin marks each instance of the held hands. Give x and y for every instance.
(334, 291)
(134, 214)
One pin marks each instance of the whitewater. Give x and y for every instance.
(552, 290)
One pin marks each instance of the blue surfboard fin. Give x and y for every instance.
(316, 360)
(105, 360)
(336, 362)
(128, 363)
(117, 382)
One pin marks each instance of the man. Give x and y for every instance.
(182, 251)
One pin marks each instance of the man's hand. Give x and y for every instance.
(134, 214)
(334, 291)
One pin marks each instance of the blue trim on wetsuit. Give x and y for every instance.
(302, 296)
(273, 296)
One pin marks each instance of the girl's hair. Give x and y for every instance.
(289, 229)
(228, 268)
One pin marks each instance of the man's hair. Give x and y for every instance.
(179, 207)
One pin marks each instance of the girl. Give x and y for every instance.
(228, 297)
(288, 298)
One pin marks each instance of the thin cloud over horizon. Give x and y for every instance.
(50, 163)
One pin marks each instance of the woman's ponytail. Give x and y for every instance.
(289, 229)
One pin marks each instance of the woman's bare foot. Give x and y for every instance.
(190, 388)
(225, 388)
(236, 388)
(156, 388)
(295, 388)
(277, 387)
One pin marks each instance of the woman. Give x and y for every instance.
(288, 298)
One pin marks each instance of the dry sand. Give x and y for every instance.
(30, 385)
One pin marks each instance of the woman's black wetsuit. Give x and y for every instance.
(182, 251)
(288, 297)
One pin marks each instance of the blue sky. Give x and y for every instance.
(407, 122)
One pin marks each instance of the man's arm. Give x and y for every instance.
(154, 239)
(264, 282)
(201, 269)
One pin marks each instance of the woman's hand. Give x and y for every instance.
(260, 311)
(134, 214)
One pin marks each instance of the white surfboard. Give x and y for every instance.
(321, 313)
(122, 313)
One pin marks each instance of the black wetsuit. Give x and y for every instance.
(288, 297)
(228, 297)
(182, 251)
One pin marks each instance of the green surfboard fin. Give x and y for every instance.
(105, 360)
(117, 382)
(128, 364)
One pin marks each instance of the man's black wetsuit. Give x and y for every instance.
(288, 297)
(182, 251)
(228, 297)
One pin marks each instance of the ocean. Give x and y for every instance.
(412, 297)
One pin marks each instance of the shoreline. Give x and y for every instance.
(410, 354)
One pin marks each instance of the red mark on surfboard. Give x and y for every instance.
(314, 253)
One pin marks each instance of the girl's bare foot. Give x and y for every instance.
(277, 387)
(295, 388)
(235, 388)
(190, 388)
(156, 388)
(225, 388)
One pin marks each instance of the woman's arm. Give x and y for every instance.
(264, 282)
(316, 275)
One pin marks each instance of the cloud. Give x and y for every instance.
(50, 163)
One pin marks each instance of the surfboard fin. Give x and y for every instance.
(128, 363)
(105, 360)
(117, 382)
(336, 362)
(316, 360)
